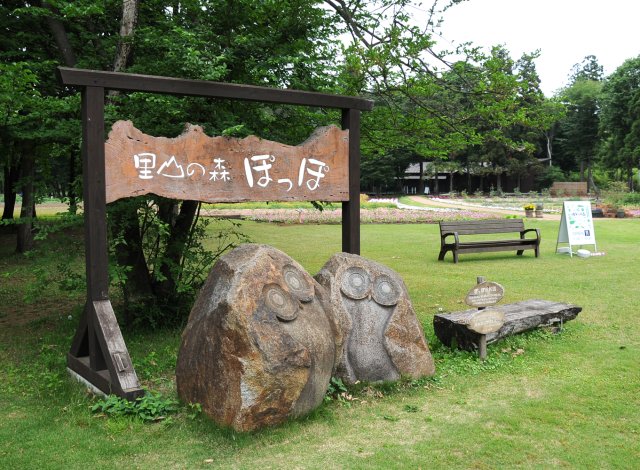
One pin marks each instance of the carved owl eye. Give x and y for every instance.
(280, 303)
(355, 283)
(297, 284)
(385, 291)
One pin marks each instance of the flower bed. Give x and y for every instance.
(380, 215)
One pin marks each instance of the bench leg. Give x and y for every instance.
(520, 252)
(455, 257)
(441, 255)
(537, 251)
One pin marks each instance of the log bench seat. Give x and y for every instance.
(452, 233)
(451, 328)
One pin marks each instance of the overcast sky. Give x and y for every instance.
(565, 31)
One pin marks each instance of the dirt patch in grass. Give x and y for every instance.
(44, 312)
(25, 299)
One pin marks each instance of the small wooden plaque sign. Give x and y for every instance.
(485, 294)
(486, 321)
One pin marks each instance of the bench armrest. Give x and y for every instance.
(537, 231)
(448, 234)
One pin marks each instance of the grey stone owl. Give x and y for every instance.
(382, 338)
(260, 345)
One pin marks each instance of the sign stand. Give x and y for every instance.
(98, 354)
(576, 226)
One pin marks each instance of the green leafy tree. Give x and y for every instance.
(620, 119)
(485, 108)
(588, 69)
(511, 117)
(579, 127)
(18, 94)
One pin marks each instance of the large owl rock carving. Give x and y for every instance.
(383, 339)
(260, 345)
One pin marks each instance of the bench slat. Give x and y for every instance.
(491, 248)
(483, 222)
(480, 227)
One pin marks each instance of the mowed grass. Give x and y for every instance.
(541, 400)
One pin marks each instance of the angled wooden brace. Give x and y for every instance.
(99, 355)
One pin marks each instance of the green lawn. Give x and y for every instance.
(539, 401)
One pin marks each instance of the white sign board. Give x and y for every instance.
(576, 225)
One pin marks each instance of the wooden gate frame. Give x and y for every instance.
(98, 354)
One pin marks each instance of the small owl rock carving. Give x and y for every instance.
(382, 336)
(260, 344)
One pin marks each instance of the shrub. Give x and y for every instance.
(548, 176)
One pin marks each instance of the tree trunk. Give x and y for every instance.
(421, 180)
(436, 183)
(60, 36)
(129, 255)
(171, 266)
(10, 179)
(66, 51)
(127, 27)
(71, 189)
(25, 227)
(138, 287)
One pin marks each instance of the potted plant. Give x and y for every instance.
(539, 209)
(528, 209)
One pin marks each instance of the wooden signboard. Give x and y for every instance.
(576, 225)
(486, 321)
(485, 294)
(222, 169)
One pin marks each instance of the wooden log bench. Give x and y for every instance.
(451, 234)
(452, 328)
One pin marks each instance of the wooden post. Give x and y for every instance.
(351, 209)
(95, 209)
(98, 353)
(95, 230)
(482, 347)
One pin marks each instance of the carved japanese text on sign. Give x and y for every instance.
(485, 294)
(221, 169)
(486, 321)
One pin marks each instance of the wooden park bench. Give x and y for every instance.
(458, 229)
